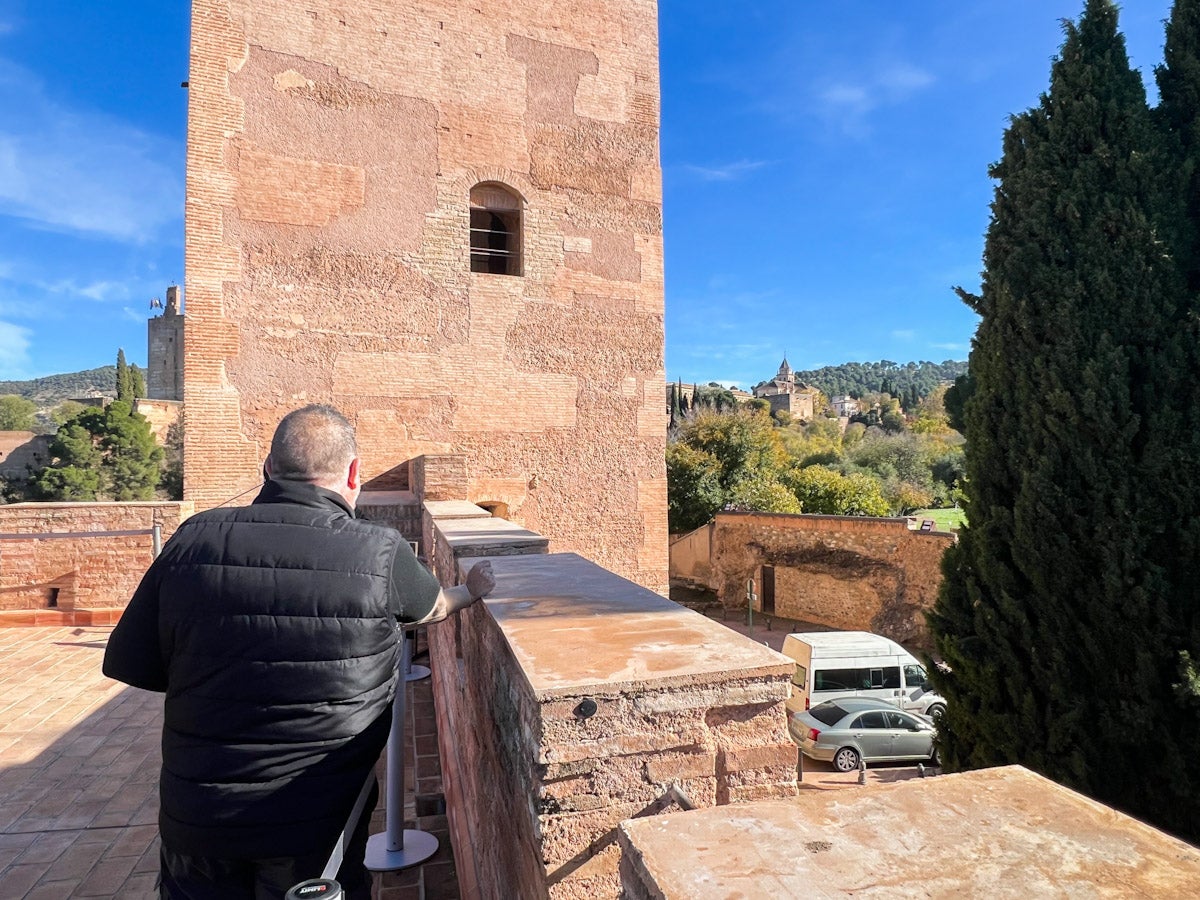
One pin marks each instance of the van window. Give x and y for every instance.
(835, 680)
(886, 677)
(799, 677)
(914, 676)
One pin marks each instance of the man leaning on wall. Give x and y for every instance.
(272, 629)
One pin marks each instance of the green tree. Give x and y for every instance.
(137, 383)
(74, 472)
(124, 382)
(102, 454)
(1057, 614)
(694, 492)
(171, 482)
(743, 443)
(66, 411)
(16, 413)
(762, 493)
(823, 491)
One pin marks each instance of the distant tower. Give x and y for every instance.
(785, 373)
(444, 218)
(164, 337)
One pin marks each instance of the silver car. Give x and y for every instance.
(856, 729)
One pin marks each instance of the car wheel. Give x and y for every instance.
(935, 711)
(846, 759)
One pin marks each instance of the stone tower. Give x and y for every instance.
(446, 219)
(164, 339)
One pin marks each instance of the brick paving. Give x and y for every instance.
(79, 762)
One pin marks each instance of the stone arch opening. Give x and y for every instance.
(497, 508)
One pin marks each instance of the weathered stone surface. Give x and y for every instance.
(846, 572)
(332, 149)
(1002, 832)
(572, 671)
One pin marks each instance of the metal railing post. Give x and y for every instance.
(156, 540)
(398, 847)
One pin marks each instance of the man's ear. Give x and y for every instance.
(267, 468)
(352, 474)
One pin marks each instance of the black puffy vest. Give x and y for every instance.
(280, 651)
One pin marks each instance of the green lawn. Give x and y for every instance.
(947, 519)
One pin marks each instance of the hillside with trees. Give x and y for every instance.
(54, 389)
(902, 381)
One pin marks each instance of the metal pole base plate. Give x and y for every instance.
(418, 847)
(416, 673)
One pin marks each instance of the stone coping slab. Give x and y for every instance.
(484, 537)
(387, 498)
(575, 626)
(455, 509)
(1003, 832)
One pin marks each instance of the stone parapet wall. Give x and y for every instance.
(571, 699)
(76, 580)
(396, 509)
(846, 572)
(691, 557)
(994, 832)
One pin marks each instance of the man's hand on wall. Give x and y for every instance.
(480, 580)
(480, 583)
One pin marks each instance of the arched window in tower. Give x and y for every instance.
(495, 230)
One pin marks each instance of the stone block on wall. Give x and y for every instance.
(588, 697)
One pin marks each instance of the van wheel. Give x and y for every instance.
(935, 711)
(846, 759)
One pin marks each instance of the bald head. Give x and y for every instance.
(314, 444)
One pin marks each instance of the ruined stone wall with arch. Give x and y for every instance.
(845, 572)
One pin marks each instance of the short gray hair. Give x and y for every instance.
(315, 443)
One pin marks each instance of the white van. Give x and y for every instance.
(834, 664)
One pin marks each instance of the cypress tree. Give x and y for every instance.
(1055, 614)
(124, 382)
(137, 383)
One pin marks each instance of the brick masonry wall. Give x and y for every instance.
(91, 574)
(845, 572)
(536, 790)
(331, 153)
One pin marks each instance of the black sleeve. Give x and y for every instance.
(134, 654)
(413, 591)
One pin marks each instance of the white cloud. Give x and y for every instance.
(728, 172)
(950, 346)
(14, 351)
(100, 291)
(904, 334)
(79, 171)
(849, 100)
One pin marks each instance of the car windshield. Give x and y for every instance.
(829, 713)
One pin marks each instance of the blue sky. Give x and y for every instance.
(824, 171)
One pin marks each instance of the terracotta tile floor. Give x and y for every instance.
(79, 760)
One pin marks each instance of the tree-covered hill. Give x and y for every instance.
(857, 379)
(53, 389)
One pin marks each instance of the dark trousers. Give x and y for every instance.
(186, 877)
